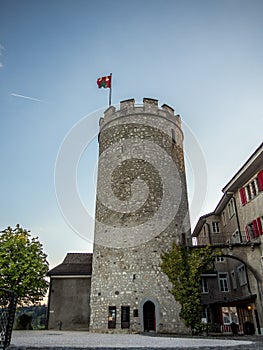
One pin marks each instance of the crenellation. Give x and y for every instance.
(127, 105)
(168, 109)
(150, 105)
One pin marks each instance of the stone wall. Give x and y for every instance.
(141, 209)
(69, 303)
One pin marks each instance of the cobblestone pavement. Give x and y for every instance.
(63, 340)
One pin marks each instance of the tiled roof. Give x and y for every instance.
(73, 264)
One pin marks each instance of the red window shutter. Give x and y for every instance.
(259, 226)
(255, 227)
(260, 180)
(243, 197)
(247, 234)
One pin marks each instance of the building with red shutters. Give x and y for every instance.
(233, 292)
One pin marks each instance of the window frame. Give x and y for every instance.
(242, 275)
(224, 286)
(125, 316)
(215, 226)
(204, 286)
(231, 208)
(112, 317)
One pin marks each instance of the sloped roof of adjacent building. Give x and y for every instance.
(248, 169)
(74, 264)
(200, 223)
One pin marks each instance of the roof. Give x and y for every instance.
(251, 166)
(73, 264)
(200, 223)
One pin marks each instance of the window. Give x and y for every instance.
(243, 197)
(223, 282)
(215, 227)
(206, 318)
(254, 229)
(251, 189)
(234, 279)
(226, 317)
(229, 315)
(112, 317)
(247, 234)
(220, 259)
(251, 231)
(231, 208)
(204, 285)
(125, 317)
(248, 191)
(236, 237)
(242, 276)
(254, 187)
(173, 136)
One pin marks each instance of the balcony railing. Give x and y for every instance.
(223, 238)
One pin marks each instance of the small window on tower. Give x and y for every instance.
(112, 317)
(125, 316)
(173, 136)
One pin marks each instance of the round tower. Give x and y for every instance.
(141, 209)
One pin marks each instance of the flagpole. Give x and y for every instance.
(110, 89)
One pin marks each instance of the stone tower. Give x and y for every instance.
(141, 209)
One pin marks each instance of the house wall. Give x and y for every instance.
(229, 222)
(69, 303)
(252, 210)
(246, 297)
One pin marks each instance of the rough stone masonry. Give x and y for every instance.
(141, 208)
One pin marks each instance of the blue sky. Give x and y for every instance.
(204, 58)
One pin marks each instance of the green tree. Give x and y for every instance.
(184, 266)
(23, 265)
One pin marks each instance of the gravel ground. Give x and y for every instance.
(30, 340)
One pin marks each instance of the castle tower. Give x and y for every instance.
(141, 209)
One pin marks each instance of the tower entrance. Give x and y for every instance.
(149, 320)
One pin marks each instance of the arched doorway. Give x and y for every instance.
(149, 321)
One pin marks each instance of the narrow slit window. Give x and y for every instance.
(173, 136)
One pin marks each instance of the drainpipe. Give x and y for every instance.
(231, 194)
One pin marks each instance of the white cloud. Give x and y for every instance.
(26, 97)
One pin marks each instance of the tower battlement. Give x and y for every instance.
(149, 107)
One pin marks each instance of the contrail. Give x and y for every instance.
(26, 97)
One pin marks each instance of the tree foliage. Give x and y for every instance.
(23, 265)
(184, 266)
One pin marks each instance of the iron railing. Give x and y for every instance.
(8, 301)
